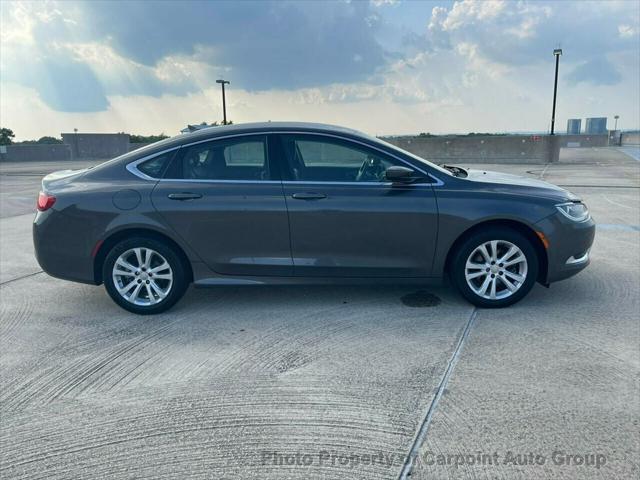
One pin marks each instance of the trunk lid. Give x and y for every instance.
(60, 178)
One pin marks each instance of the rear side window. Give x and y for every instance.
(156, 166)
(243, 158)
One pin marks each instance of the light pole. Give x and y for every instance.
(224, 104)
(75, 141)
(616, 117)
(557, 52)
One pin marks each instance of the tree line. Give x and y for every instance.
(7, 138)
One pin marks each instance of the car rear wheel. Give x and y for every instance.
(144, 275)
(495, 268)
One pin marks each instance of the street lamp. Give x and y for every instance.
(557, 52)
(616, 117)
(75, 141)
(224, 105)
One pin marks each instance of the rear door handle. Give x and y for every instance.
(308, 196)
(184, 196)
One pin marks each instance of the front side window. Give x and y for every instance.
(243, 158)
(324, 159)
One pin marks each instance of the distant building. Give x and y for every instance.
(596, 125)
(96, 145)
(573, 126)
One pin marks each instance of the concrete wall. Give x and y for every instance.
(96, 145)
(40, 153)
(483, 149)
(584, 140)
(102, 150)
(467, 149)
(630, 138)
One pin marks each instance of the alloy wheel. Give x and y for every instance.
(496, 269)
(142, 276)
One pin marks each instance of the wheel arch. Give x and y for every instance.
(110, 241)
(522, 228)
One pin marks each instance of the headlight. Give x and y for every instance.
(578, 212)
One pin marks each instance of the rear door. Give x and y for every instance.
(346, 219)
(225, 199)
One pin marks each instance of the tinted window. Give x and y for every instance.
(155, 166)
(324, 159)
(243, 158)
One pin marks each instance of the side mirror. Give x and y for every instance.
(397, 174)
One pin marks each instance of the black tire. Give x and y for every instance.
(465, 249)
(179, 284)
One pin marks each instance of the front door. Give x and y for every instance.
(346, 219)
(224, 199)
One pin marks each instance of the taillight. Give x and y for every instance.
(45, 201)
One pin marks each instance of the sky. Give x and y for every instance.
(381, 66)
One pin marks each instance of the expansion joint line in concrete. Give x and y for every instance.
(544, 171)
(424, 427)
(20, 278)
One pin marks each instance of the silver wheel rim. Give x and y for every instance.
(142, 276)
(496, 270)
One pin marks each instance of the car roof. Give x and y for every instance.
(217, 131)
(266, 126)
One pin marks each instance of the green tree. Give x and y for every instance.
(6, 134)
(46, 140)
(146, 138)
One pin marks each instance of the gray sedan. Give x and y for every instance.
(292, 203)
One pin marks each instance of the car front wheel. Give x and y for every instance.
(144, 275)
(495, 268)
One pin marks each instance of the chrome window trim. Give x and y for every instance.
(209, 180)
(369, 184)
(290, 182)
(366, 145)
(132, 166)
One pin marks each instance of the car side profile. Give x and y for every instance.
(286, 203)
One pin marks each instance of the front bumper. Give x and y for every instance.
(569, 245)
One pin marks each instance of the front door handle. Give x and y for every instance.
(184, 196)
(308, 196)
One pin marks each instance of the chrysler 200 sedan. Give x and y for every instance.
(292, 203)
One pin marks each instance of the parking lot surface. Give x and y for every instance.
(338, 382)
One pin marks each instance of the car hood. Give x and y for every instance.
(507, 182)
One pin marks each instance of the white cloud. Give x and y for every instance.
(474, 66)
(478, 64)
(627, 31)
(468, 12)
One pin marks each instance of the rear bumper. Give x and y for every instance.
(60, 252)
(569, 245)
